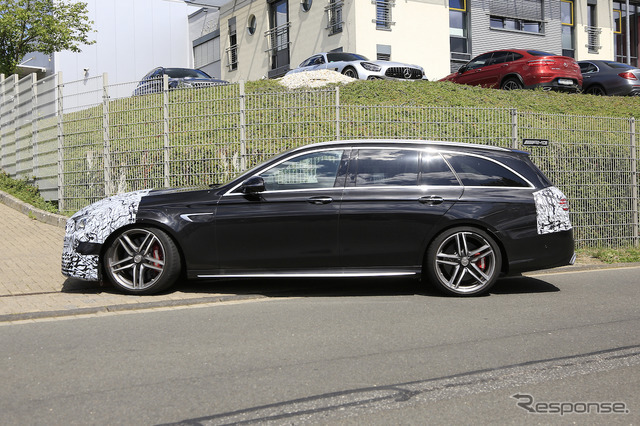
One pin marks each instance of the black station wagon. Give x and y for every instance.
(459, 215)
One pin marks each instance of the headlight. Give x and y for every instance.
(370, 67)
(81, 223)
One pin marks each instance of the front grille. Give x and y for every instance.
(406, 73)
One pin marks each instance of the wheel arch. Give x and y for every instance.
(511, 76)
(492, 232)
(142, 224)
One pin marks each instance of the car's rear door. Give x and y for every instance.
(393, 200)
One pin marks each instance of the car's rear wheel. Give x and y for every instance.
(596, 90)
(350, 72)
(512, 84)
(463, 261)
(142, 261)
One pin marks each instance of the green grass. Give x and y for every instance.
(617, 255)
(23, 190)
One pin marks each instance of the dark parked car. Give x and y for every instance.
(520, 69)
(357, 66)
(610, 78)
(459, 214)
(179, 78)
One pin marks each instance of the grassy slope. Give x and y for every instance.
(441, 94)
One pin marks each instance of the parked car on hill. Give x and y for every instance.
(357, 66)
(520, 69)
(610, 78)
(179, 78)
(459, 214)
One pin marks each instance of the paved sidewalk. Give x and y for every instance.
(32, 286)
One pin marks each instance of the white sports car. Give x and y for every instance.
(357, 66)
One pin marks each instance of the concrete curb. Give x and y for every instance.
(127, 307)
(28, 210)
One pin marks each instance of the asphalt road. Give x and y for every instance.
(349, 352)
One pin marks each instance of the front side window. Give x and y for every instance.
(386, 167)
(478, 171)
(308, 171)
(566, 13)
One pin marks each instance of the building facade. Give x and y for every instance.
(265, 38)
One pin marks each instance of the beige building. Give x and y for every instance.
(264, 39)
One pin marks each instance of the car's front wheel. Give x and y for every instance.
(142, 261)
(463, 261)
(350, 72)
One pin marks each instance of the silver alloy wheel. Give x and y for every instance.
(465, 262)
(512, 84)
(136, 259)
(350, 72)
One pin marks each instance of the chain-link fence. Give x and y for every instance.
(116, 138)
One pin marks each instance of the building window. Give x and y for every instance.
(458, 33)
(383, 52)
(206, 53)
(383, 14)
(627, 32)
(252, 24)
(517, 15)
(305, 5)
(334, 14)
(566, 14)
(593, 32)
(232, 50)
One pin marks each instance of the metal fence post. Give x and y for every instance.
(634, 181)
(337, 113)
(34, 125)
(243, 128)
(60, 116)
(514, 128)
(108, 184)
(165, 119)
(2, 100)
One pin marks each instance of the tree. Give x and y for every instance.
(45, 26)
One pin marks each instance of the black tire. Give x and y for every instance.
(142, 260)
(350, 72)
(463, 261)
(512, 83)
(596, 90)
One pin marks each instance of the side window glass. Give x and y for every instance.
(499, 58)
(308, 171)
(387, 167)
(480, 61)
(476, 171)
(434, 171)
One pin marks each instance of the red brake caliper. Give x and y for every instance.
(156, 254)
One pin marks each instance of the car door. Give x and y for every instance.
(475, 71)
(290, 226)
(393, 200)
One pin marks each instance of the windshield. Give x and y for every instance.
(343, 56)
(185, 73)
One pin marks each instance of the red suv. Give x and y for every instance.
(520, 69)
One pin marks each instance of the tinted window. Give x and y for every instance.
(435, 171)
(480, 61)
(619, 65)
(185, 73)
(308, 171)
(344, 56)
(539, 53)
(389, 167)
(586, 67)
(476, 171)
(499, 58)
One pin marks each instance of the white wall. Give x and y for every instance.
(133, 37)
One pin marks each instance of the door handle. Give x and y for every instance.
(319, 200)
(431, 200)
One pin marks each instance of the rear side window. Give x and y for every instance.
(386, 167)
(478, 171)
(434, 171)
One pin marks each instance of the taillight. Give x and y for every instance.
(541, 62)
(564, 204)
(628, 75)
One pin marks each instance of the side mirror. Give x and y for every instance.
(253, 185)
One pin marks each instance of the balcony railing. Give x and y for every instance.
(593, 39)
(278, 37)
(232, 57)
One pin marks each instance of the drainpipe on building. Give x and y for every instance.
(628, 36)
